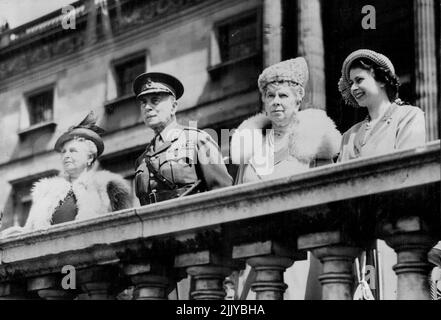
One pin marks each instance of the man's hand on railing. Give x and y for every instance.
(11, 231)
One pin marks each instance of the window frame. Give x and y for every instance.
(118, 63)
(31, 94)
(215, 40)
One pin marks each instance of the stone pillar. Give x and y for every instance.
(208, 282)
(311, 46)
(151, 281)
(269, 283)
(49, 287)
(97, 282)
(208, 271)
(412, 241)
(272, 32)
(337, 254)
(91, 22)
(105, 18)
(337, 278)
(269, 260)
(427, 84)
(13, 291)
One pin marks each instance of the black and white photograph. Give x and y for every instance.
(227, 150)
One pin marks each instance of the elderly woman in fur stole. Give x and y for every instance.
(283, 141)
(80, 192)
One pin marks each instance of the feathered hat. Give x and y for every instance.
(86, 129)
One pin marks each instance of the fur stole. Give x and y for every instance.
(312, 136)
(96, 192)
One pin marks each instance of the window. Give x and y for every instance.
(238, 38)
(22, 199)
(41, 106)
(126, 72)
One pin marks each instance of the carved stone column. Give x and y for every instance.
(311, 46)
(208, 282)
(426, 76)
(268, 260)
(337, 278)
(269, 284)
(97, 282)
(91, 36)
(13, 291)
(411, 240)
(208, 271)
(49, 287)
(272, 32)
(337, 257)
(152, 281)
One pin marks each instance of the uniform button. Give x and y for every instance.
(151, 175)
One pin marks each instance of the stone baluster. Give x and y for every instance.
(411, 240)
(152, 281)
(311, 46)
(269, 260)
(97, 283)
(427, 68)
(337, 256)
(13, 291)
(208, 282)
(208, 271)
(49, 287)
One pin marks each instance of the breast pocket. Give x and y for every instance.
(181, 169)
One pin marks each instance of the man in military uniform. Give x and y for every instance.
(179, 160)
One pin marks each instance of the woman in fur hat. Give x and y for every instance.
(80, 192)
(369, 81)
(283, 141)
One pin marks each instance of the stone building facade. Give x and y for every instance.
(51, 77)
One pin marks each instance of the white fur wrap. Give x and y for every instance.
(91, 190)
(313, 136)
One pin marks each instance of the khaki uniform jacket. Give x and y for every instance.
(183, 156)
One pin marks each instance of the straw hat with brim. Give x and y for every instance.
(344, 85)
(87, 129)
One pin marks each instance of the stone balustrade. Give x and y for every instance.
(332, 211)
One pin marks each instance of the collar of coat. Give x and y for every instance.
(312, 136)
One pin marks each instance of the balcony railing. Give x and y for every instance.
(332, 211)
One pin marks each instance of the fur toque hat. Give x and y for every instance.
(293, 70)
